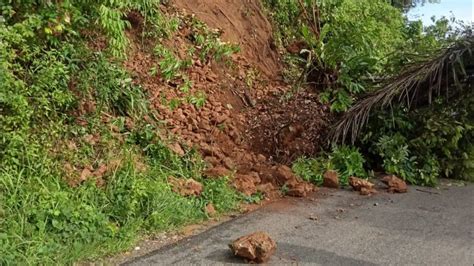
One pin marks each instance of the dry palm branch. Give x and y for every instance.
(447, 74)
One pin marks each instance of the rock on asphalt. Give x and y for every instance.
(424, 226)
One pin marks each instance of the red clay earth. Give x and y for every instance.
(248, 128)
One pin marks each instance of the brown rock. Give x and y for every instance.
(211, 161)
(245, 184)
(228, 163)
(395, 184)
(208, 150)
(284, 175)
(210, 210)
(257, 247)
(261, 158)
(256, 177)
(363, 186)
(300, 190)
(221, 119)
(217, 172)
(265, 188)
(185, 187)
(367, 192)
(331, 179)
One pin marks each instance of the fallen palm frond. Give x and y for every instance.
(447, 74)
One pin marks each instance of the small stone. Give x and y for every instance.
(217, 172)
(185, 187)
(228, 163)
(256, 247)
(363, 186)
(245, 184)
(395, 184)
(210, 210)
(331, 179)
(300, 190)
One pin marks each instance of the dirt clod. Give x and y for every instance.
(300, 189)
(210, 210)
(363, 186)
(185, 187)
(217, 172)
(395, 184)
(245, 184)
(256, 247)
(284, 175)
(331, 179)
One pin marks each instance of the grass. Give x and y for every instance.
(83, 169)
(46, 221)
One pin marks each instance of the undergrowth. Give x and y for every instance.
(83, 163)
(351, 48)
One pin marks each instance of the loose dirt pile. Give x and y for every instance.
(245, 128)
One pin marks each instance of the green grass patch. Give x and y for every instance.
(83, 171)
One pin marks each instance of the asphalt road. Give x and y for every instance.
(429, 227)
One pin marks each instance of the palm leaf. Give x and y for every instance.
(446, 74)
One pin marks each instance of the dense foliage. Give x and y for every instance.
(352, 48)
(83, 170)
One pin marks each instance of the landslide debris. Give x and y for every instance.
(331, 179)
(229, 110)
(185, 187)
(363, 186)
(257, 247)
(395, 184)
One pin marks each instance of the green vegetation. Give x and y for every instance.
(362, 49)
(83, 163)
(347, 161)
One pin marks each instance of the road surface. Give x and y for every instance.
(425, 226)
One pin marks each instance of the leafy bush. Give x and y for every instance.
(311, 169)
(350, 41)
(352, 46)
(422, 145)
(347, 161)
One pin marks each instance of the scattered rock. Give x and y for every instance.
(284, 175)
(185, 187)
(245, 184)
(217, 172)
(313, 218)
(261, 158)
(256, 247)
(265, 188)
(210, 210)
(331, 179)
(300, 189)
(363, 186)
(211, 161)
(367, 192)
(228, 163)
(395, 184)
